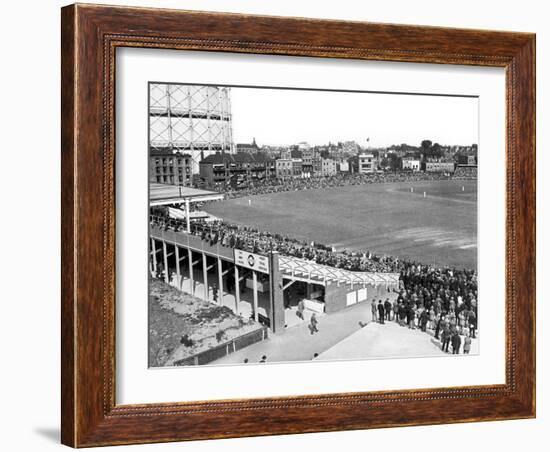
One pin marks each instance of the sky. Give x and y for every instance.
(284, 117)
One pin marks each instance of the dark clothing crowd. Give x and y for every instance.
(261, 242)
(444, 302)
(276, 185)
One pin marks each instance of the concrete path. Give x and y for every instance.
(388, 341)
(297, 343)
(343, 335)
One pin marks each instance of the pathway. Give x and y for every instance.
(297, 343)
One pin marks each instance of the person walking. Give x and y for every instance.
(381, 312)
(300, 309)
(395, 311)
(313, 324)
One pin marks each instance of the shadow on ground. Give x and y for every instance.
(50, 433)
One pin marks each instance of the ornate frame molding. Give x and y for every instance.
(90, 37)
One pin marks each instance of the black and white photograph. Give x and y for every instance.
(294, 225)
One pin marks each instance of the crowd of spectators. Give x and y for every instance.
(442, 300)
(261, 242)
(275, 185)
(465, 173)
(443, 289)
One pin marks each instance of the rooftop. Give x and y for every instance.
(240, 157)
(164, 194)
(164, 153)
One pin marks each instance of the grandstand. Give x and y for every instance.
(228, 270)
(465, 172)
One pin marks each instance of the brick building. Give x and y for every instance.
(248, 148)
(283, 167)
(410, 163)
(170, 168)
(328, 167)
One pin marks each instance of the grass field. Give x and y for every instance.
(439, 228)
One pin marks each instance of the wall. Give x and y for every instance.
(336, 295)
(30, 294)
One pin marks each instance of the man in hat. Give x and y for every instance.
(381, 312)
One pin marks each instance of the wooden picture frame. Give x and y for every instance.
(90, 35)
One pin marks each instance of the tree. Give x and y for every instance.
(426, 145)
(392, 161)
(436, 150)
(431, 150)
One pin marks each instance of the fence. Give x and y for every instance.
(224, 349)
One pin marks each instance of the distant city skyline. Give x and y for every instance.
(283, 117)
(345, 142)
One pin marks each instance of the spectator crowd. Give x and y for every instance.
(276, 185)
(442, 300)
(250, 239)
(465, 173)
